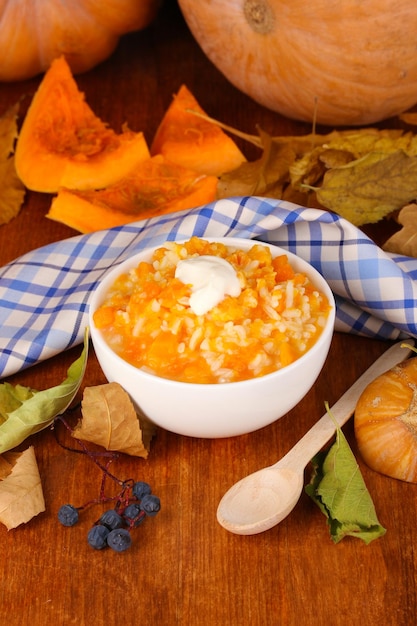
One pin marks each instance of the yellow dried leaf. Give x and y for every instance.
(109, 419)
(366, 140)
(307, 170)
(405, 240)
(335, 157)
(340, 148)
(21, 495)
(266, 176)
(370, 188)
(355, 141)
(12, 190)
(8, 131)
(310, 168)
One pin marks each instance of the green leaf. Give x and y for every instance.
(338, 488)
(11, 398)
(40, 409)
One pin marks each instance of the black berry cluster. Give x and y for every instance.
(131, 505)
(113, 529)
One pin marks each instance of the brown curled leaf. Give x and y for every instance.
(267, 176)
(109, 419)
(405, 240)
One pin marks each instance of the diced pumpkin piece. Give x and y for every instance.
(193, 142)
(283, 268)
(288, 354)
(62, 143)
(156, 187)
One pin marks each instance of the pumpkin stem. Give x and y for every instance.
(259, 16)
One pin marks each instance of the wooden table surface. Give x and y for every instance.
(183, 567)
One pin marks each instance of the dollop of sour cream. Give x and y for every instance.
(211, 278)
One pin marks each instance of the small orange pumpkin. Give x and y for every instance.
(346, 62)
(35, 32)
(385, 422)
(62, 143)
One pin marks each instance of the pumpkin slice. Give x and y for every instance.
(62, 142)
(192, 142)
(156, 187)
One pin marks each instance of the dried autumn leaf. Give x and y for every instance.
(340, 148)
(109, 420)
(266, 176)
(370, 188)
(405, 240)
(8, 131)
(21, 495)
(307, 170)
(363, 141)
(12, 190)
(334, 157)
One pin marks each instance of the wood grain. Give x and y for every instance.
(183, 567)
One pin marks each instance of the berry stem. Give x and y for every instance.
(92, 455)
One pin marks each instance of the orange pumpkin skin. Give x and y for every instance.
(35, 32)
(342, 63)
(63, 144)
(385, 422)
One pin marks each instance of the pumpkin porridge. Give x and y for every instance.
(204, 312)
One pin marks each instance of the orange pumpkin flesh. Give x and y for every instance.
(63, 144)
(342, 63)
(386, 422)
(192, 142)
(34, 32)
(156, 187)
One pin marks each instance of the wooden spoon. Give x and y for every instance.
(263, 499)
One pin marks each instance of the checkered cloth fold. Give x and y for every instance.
(44, 294)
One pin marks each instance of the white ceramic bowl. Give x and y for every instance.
(215, 410)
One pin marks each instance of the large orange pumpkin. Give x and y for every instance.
(35, 32)
(350, 62)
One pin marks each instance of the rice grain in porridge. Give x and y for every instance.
(147, 320)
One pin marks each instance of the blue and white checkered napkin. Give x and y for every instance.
(44, 294)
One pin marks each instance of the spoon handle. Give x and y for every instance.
(343, 409)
